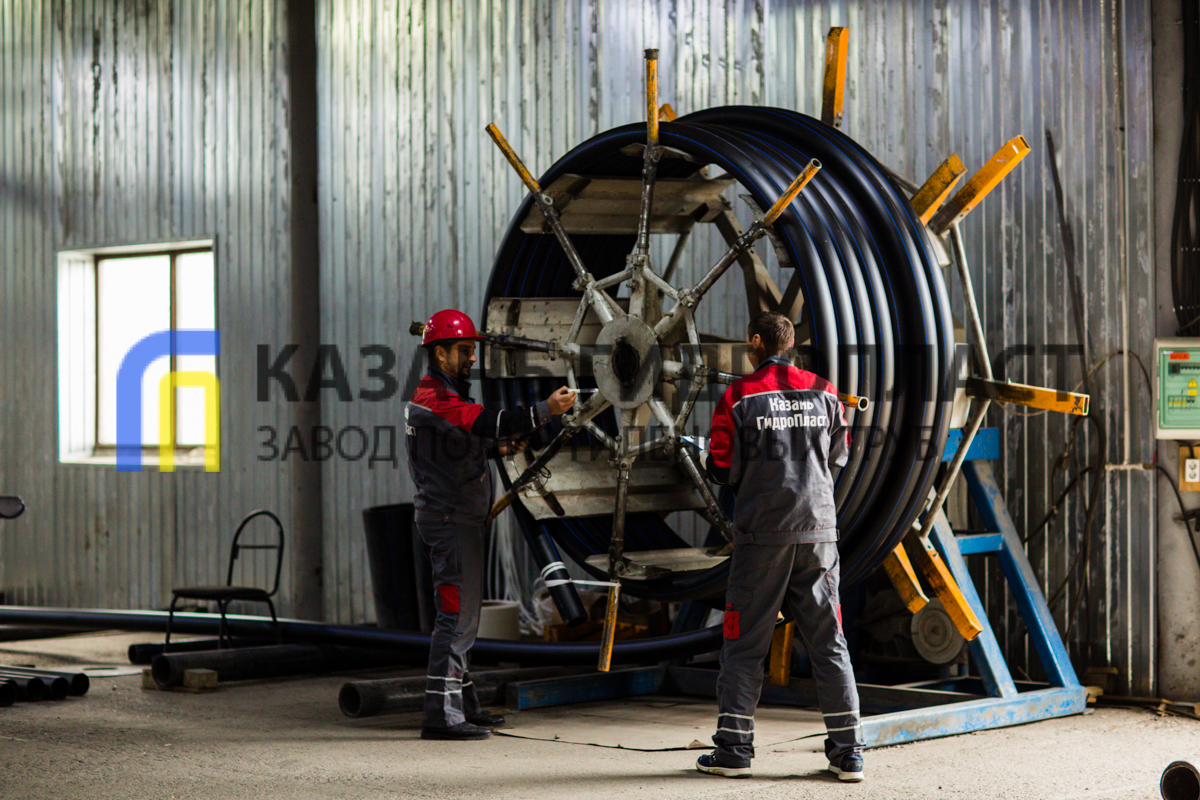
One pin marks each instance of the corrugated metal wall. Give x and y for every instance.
(125, 123)
(129, 122)
(415, 199)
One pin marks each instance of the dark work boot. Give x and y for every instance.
(461, 731)
(485, 720)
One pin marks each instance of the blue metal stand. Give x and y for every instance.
(1004, 704)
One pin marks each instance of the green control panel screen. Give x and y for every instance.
(1178, 395)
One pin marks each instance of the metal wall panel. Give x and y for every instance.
(415, 200)
(126, 123)
(144, 122)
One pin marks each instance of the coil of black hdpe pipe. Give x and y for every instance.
(881, 322)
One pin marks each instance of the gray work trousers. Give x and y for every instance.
(457, 553)
(762, 578)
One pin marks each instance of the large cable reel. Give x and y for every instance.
(866, 293)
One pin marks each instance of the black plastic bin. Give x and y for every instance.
(400, 569)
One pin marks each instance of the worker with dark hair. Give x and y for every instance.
(777, 435)
(449, 439)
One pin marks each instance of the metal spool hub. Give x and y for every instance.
(864, 286)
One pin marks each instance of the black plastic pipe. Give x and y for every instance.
(30, 689)
(397, 695)
(53, 687)
(8, 692)
(634, 651)
(145, 653)
(78, 683)
(240, 664)
(879, 310)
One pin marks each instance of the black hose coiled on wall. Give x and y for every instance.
(881, 322)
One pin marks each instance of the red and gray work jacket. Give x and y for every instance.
(777, 435)
(450, 438)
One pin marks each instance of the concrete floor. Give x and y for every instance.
(287, 739)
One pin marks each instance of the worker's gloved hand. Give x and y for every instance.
(561, 401)
(512, 448)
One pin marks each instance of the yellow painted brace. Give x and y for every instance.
(1031, 396)
(780, 659)
(212, 418)
(788, 196)
(933, 193)
(652, 96)
(945, 587)
(610, 628)
(666, 113)
(982, 182)
(836, 46)
(900, 569)
(513, 158)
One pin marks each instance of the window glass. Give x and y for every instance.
(195, 309)
(133, 300)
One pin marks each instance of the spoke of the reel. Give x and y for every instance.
(590, 409)
(710, 501)
(639, 260)
(606, 307)
(690, 299)
(616, 545)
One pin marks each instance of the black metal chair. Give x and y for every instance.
(224, 595)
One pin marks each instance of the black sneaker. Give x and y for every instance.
(461, 731)
(711, 764)
(485, 720)
(851, 768)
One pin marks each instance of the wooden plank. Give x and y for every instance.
(611, 685)
(612, 205)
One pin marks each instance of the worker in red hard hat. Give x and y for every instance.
(450, 438)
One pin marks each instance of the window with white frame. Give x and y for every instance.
(109, 299)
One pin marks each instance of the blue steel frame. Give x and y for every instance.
(1004, 705)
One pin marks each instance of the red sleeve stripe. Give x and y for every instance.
(433, 395)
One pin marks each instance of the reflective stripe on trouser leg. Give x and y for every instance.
(758, 576)
(812, 600)
(457, 555)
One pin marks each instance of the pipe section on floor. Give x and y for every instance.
(1181, 781)
(633, 651)
(398, 695)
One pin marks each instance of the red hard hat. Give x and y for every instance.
(449, 324)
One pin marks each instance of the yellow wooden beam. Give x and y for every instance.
(945, 587)
(900, 569)
(936, 189)
(780, 660)
(1030, 396)
(836, 46)
(980, 184)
